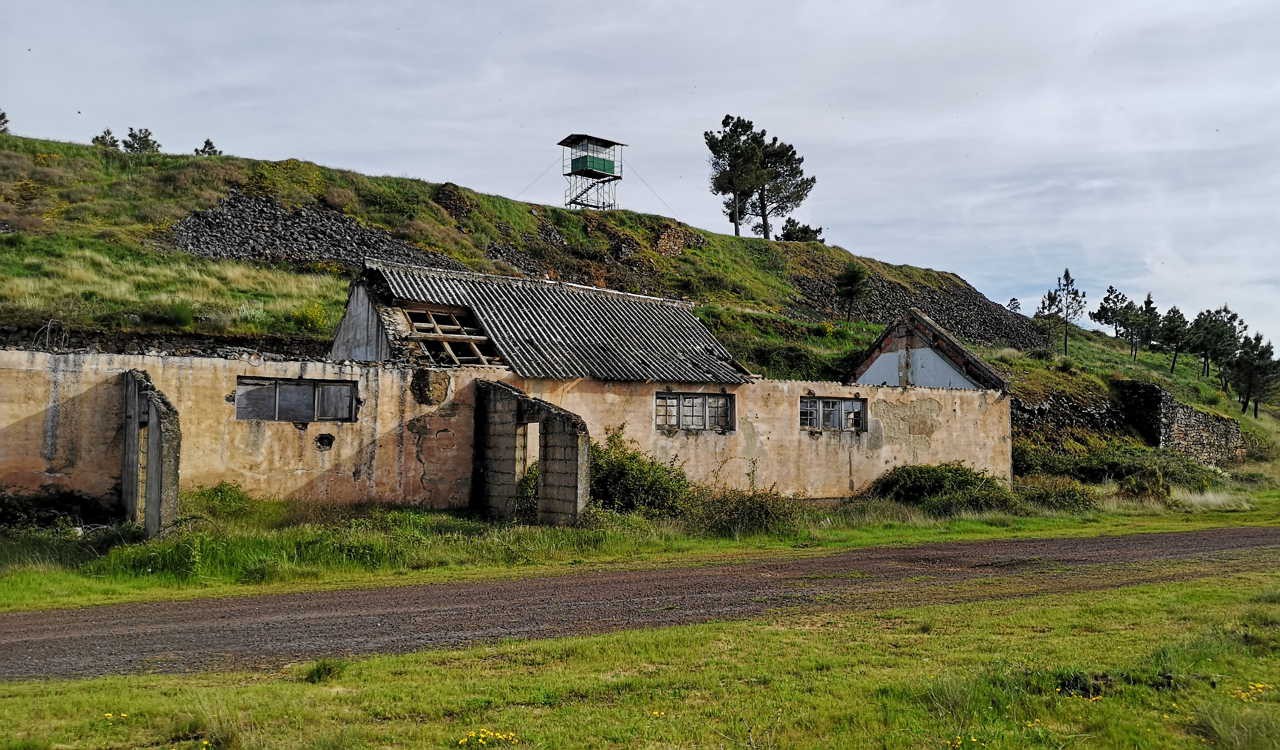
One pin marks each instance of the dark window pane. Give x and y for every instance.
(335, 401)
(719, 415)
(255, 400)
(296, 402)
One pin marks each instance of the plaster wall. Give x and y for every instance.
(412, 442)
(905, 426)
(61, 427)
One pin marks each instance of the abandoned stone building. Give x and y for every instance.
(443, 387)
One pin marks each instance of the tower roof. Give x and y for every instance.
(574, 139)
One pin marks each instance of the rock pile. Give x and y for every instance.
(256, 228)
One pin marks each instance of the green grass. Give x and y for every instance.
(1161, 666)
(95, 283)
(274, 547)
(92, 226)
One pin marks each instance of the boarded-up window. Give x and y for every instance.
(835, 414)
(295, 400)
(694, 411)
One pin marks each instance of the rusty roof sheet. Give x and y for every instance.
(546, 329)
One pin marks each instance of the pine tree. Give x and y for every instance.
(1252, 371)
(1173, 335)
(735, 166)
(1215, 335)
(760, 176)
(1144, 322)
(208, 149)
(140, 142)
(849, 284)
(4, 122)
(1014, 305)
(106, 140)
(1108, 312)
(1065, 302)
(785, 185)
(794, 231)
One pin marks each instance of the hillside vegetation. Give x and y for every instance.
(91, 238)
(96, 239)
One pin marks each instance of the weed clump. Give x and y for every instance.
(324, 670)
(946, 489)
(222, 500)
(723, 511)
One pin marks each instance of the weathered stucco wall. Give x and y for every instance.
(905, 425)
(61, 425)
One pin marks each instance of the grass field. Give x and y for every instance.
(270, 549)
(1188, 664)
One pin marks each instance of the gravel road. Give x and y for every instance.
(260, 631)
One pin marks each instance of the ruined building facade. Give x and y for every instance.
(443, 387)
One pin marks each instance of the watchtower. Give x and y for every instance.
(592, 168)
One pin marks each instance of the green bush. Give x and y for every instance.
(1112, 462)
(626, 480)
(722, 511)
(1056, 493)
(1148, 484)
(179, 314)
(945, 489)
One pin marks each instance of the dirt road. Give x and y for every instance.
(270, 630)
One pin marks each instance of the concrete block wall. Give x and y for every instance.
(564, 485)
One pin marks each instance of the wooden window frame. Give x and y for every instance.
(693, 412)
(314, 383)
(815, 409)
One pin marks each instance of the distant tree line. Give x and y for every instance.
(1218, 338)
(141, 141)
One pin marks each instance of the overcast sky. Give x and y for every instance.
(1137, 143)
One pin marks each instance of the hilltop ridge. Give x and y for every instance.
(216, 244)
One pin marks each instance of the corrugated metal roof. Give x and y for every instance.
(555, 330)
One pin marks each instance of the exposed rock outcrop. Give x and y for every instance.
(256, 228)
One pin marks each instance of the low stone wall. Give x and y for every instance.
(1164, 422)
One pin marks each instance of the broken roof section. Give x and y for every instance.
(545, 329)
(914, 331)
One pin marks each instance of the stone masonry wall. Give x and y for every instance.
(1164, 422)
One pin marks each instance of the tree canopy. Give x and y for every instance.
(760, 177)
(140, 142)
(1065, 303)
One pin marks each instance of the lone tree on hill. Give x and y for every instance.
(849, 285)
(735, 166)
(1108, 312)
(140, 142)
(1014, 305)
(761, 177)
(794, 231)
(4, 122)
(1065, 302)
(785, 186)
(1174, 334)
(106, 140)
(208, 149)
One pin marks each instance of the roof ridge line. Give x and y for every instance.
(525, 280)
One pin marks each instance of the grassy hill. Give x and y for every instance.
(104, 240)
(92, 237)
